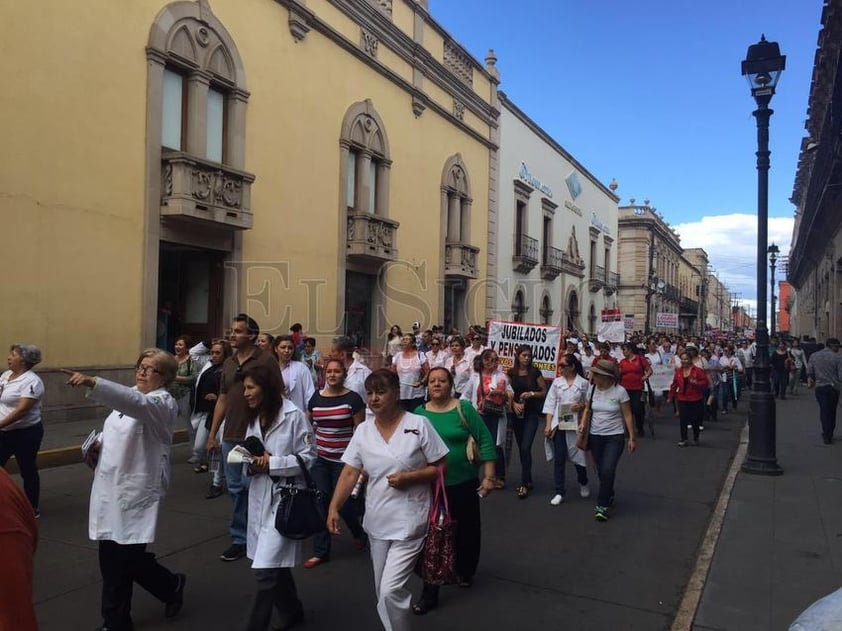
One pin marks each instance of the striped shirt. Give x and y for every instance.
(333, 419)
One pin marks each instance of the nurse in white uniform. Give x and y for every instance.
(400, 451)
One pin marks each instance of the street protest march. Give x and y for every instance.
(544, 340)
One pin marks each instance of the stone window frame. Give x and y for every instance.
(188, 39)
(364, 133)
(548, 209)
(456, 200)
(546, 310)
(208, 34)
(519, 307)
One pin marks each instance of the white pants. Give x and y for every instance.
(393, 562)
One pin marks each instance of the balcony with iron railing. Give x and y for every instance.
(198, 190)
(460, 260)
(525, 257)
(551, 263)
(597, 278)
(612, 281)
(688, 307)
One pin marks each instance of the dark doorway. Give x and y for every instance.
(359, 294)
(190, 290)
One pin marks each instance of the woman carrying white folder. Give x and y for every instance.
(131, 477)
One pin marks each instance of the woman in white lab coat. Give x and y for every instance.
(400, 452)
(284, 431)
(130, 479)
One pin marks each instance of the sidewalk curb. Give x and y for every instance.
(686, 613)
(63, 456)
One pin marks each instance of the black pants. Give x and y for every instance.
(275, 590)
(464, 507)
(638, 410)
(827, 398)
(690, 413)
(780, 380)
(121, 566)
(525, 429)
(24, 444)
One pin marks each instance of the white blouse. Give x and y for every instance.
(410, 371)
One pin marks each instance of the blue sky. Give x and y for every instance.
(650, 93)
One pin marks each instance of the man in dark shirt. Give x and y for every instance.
(824, 372)
(231, 408)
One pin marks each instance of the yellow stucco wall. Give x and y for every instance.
(72, 173)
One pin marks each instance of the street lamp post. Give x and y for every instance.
(773, 258)
(763, 66)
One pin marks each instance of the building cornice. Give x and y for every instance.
(543, 135)
(315, 23)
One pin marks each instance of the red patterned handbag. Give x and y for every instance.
(437, 562)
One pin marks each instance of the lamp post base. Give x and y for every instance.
(761, 458)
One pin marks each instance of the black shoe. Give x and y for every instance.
(215, 491)
(424, 605)
(234, 552)
(827, 441)
(293, 620)
(172, 607)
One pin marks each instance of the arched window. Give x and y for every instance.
(546, 310)
(592, 320)
(197, 84)
(456, 193)
(572, 311)
(518, 307)
(365, 160)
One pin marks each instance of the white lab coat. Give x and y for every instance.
(298, 383)
(560, 392)
(133, 471)
(289, 434)
(471, 395)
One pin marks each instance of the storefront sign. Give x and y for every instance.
(534, 182)
(573, 184)
(571, 206)
(545, 341)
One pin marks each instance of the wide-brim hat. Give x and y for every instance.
(604, 367)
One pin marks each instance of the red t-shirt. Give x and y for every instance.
(631, 372)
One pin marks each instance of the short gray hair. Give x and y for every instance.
(29, 353)
(344, 343)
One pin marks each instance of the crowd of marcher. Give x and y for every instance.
(373, 442)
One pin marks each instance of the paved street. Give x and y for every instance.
(541, 565)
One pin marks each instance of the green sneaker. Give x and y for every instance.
(601, 513)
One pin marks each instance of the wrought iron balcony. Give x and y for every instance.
(597, 278)
(526, 254)
(200, 190)
(551, 262)
(671, 292)
(612, 281)
(688, 307)
(460, 260)
(371, 238)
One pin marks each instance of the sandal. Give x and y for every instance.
(522, 492)
(423, 606)
(202, 468)
(500, 484)
(313, 562)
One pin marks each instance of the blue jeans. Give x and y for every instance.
(238, 489)
(325, 474)
(606, 453)
(560, 457)
(524, 430)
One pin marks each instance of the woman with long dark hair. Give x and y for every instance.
(529, 391)
(284, 431)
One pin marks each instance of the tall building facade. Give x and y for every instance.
(553, 241)
(171, 164)
(815, 257)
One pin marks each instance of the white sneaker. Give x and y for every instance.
(557, 499)
(584, 491)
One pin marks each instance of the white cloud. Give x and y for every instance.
(731, 245)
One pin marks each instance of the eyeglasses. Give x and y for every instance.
(145, 370)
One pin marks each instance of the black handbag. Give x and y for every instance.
(301, 512)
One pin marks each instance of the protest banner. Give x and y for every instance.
(628, 323)
(665, 320)
(544, 340)
(661, 377)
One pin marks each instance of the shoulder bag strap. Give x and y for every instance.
(462, 418)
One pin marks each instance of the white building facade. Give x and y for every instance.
(554, 242)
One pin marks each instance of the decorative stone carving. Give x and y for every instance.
(198, 189)
(419, 104)
(203, 36)
(385, 6)
(299, 19)
(458, 63)
(370, 237)
(459, 109)
(460, 261)
(368, 42)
